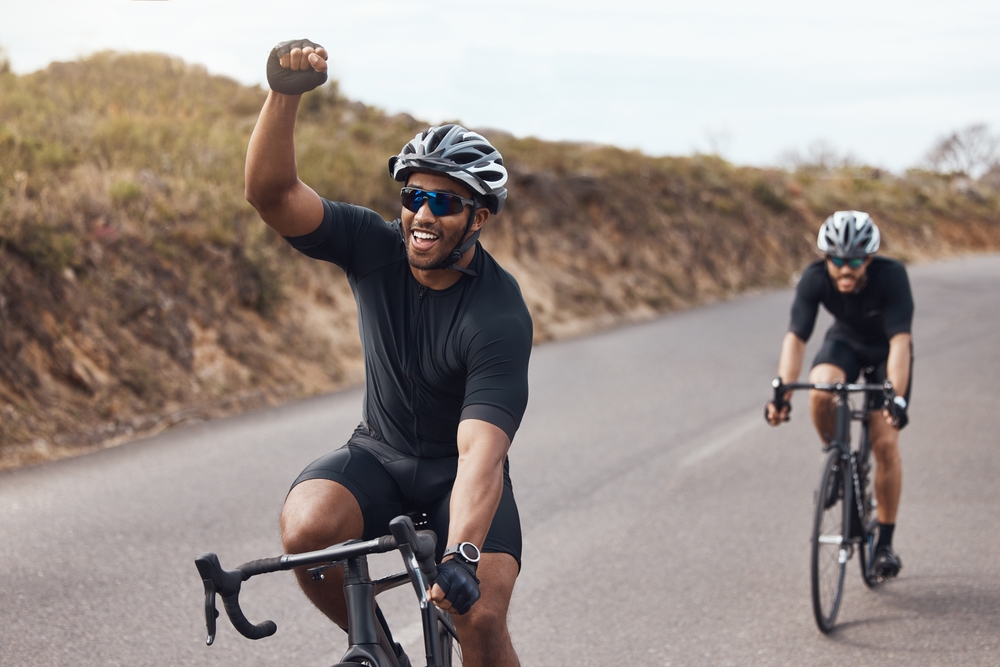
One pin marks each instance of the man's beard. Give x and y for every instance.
(446, 246)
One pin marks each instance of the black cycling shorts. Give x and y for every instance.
(853, 360)
(387, 483)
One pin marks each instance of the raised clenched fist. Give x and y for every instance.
(296, 66)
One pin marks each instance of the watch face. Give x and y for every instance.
(469, 552)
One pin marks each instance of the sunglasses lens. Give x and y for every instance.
(412, 199)
(443, 203)
(440, 203)
(854, 262)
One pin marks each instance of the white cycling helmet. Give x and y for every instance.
(848, 234)
(466, 156)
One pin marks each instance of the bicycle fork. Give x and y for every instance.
(842, 439)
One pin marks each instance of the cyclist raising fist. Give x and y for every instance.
(446, 338)
(870, 300)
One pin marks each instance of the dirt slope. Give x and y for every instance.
(138, 290)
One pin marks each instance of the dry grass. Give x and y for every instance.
(138, 289)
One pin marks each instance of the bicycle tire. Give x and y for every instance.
(445, 643)
(830, 548)
(869, 523)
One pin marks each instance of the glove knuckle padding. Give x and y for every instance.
(286, 80)
(459, 584)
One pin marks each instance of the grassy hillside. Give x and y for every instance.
(139, 290)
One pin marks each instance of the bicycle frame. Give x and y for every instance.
(364, 620)
(853, 470)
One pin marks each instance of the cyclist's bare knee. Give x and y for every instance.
(318, 513)
(885, 442)
(827, 373)
(488, 617)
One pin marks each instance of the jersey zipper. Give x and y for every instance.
(414, 352)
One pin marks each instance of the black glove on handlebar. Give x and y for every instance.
(458, 581)
(289, 81)
(898, 413)
(779, 407)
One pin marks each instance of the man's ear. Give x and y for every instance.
(482, 215)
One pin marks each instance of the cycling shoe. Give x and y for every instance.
(886, 564)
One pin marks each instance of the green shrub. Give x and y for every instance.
(124, 192)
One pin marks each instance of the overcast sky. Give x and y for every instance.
(880, 79)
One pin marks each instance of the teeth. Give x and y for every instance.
(424, 235)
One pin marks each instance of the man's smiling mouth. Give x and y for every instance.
(423, 239)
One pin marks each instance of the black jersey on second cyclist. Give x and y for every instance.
(432, 357)
(867, 318)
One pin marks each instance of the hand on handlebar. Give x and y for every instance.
(775, 415)
(457, 587)
(296, 67)
(895, 414)
(778, 409)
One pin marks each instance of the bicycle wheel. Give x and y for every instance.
(869, 525)
(830, 545)
(446, 642)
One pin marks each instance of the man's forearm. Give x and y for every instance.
(478, 486)
(271, 171)
(898, 364)
(474, 501)
(793, 349)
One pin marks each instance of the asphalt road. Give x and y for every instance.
(664, 522)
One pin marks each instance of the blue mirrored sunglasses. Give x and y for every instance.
(853, 262)
(441, 203)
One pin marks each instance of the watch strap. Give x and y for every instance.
(457, 551)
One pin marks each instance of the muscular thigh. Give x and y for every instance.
(836, 361)
(350, 480)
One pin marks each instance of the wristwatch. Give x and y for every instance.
(900, 401)
(466, 551)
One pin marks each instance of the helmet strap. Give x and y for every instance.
(455, 256)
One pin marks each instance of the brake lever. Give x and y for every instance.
(211, 613)
(779, 400)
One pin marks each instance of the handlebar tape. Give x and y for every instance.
(240, 622)
(260, 566)
(227, 584)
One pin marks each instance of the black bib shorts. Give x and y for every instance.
(387, 483)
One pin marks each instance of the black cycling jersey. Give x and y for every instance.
(866, 319)
(432, 357)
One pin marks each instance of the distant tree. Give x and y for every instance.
(4, 61)
(972, 151)
(820, 155)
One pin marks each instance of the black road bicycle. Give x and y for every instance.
(845, 518)
(369, 640)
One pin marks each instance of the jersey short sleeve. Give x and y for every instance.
(496, 386)
(899, 301)
(808, 294)
(352, 237)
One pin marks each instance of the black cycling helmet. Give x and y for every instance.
(848, 234)
(466, 156)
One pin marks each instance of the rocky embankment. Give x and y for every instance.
(139, 291)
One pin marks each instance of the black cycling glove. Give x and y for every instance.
(779, 407)
(289, 81)
(458, 581)
(898, 413)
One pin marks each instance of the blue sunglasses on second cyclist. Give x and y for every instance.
(441, 203)
(853, 262)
